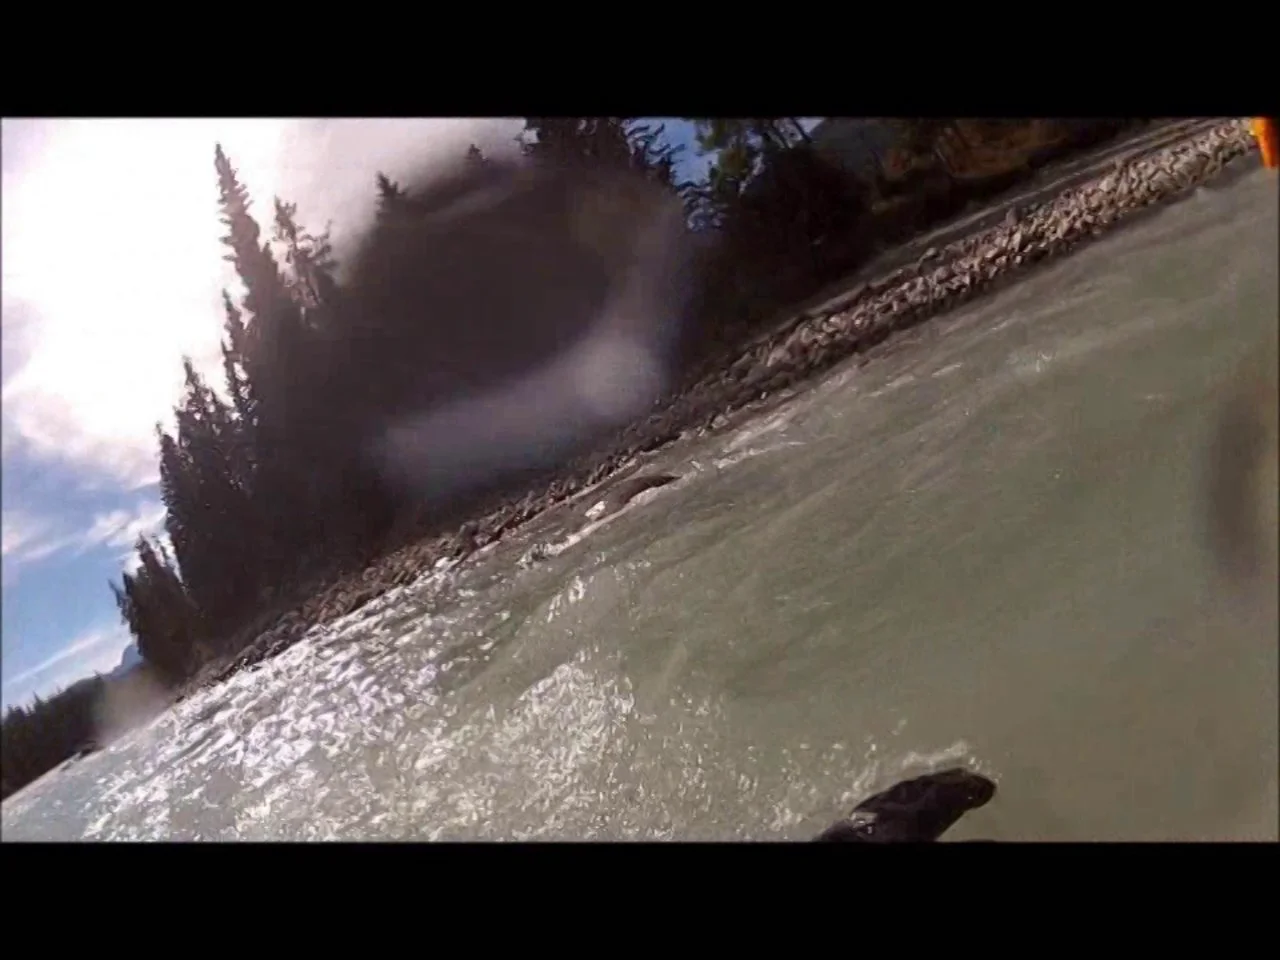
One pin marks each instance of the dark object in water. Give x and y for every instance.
(623, 492)
(913, 811)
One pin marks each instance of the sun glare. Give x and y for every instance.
(111, 239)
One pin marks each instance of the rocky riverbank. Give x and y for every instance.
(941, 279)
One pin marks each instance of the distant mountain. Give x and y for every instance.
(130, 660)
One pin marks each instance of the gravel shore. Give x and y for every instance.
(941, 279)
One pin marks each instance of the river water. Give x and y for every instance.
(986, 547)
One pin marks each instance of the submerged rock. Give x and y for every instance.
(914, 811)
(623, 492)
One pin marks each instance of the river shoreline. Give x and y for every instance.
(941, 278)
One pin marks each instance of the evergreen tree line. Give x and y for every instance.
(36, 738)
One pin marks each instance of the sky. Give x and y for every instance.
(112, 271)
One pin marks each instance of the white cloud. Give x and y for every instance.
(121, 528)
(13, 533)
(28, 538)
(111, 256)
(95, 651)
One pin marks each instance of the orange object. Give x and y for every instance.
(1265, 132)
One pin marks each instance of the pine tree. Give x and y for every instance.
(320, 437)
(278, 361)
(180, 498)
(651, 153)
(242, 429)
(759, 137)
(601, 142)
(274, 336)
(392, 198)
(234, 364)
(264, 291)
(160, 615)
(124, 604)
(211, 519)
(309, 258)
